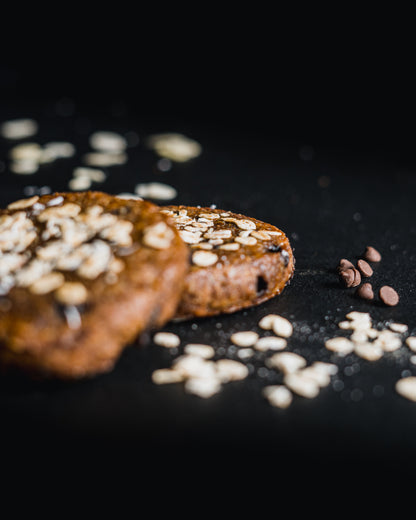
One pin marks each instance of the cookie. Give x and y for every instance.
(236, 261)
(81, 276)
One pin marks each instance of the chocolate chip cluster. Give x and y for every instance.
(351, 276)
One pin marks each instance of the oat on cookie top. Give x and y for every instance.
(47, 242)
(216, 235)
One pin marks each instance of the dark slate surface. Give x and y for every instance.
(333, 182)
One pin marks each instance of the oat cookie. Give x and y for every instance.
(236, 261)
(81, 276)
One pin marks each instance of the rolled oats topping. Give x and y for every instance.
(41, 242)
(204, 258)
(48, 283)
(158, 236)
(23, 203)
(72, 293)
(209, 228)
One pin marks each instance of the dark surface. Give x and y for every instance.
(333, 183)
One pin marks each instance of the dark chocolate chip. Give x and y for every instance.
(347, 277)
(388, 296)
(261, 285)
(357, 277)
(365, 291)
(371, 254)
(274, 248)
(344, 264)
(364, 268)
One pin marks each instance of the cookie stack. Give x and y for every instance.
(82, 275)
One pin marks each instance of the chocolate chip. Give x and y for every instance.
(371, 254)
(364, 268)
(347, 277)
(344, 264)
(365, 291)
(357, 277)
(388, 296)
(274, 248)
(350, 277)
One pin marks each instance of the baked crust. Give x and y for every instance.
(254, 261)
(55, 333)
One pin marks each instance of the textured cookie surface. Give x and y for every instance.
(81, 275)
(237, 261)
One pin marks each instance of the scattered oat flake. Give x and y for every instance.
(398, 327)
(245, 353)
(388, 340)
(194, 366)
(167, 339)
(282, 327)
(301, 385)
(266, 322)
(411, 343)
(202, 387)
(93, 174)
(278, 395)
(322, 366)
(107, 141)
(24, 167)
(19, 128)
(79, 183)
(174, 146)
(345, 325)
(231, 370)
(368, 351)
(270, 343)
(340, 345)
(406, 387)
(156, 191)
(199, 349)
(26, 151)
(287, 361)
(244, 338)
(358, 316)
(166, 375)
(104, 159)
(320, 377)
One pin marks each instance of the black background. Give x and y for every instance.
(254, 109)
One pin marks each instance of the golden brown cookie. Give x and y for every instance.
(81, 276)
(236, 261)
